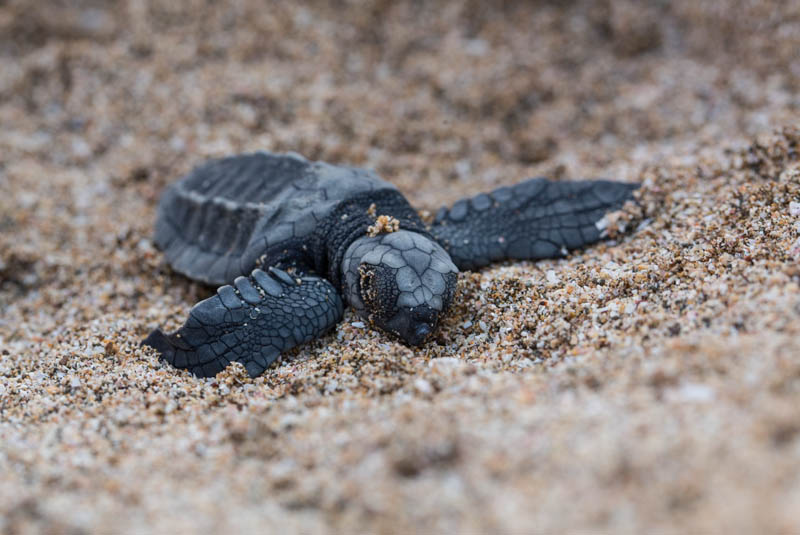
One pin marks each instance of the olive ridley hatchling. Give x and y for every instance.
(297, 240)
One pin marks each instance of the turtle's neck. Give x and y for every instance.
(350, 222)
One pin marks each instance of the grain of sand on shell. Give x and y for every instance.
(652, 381)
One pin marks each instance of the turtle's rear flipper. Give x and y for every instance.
(538, 218)
(252, 322)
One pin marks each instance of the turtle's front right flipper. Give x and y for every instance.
(252, 322)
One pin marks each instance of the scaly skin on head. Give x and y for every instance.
(401, 282)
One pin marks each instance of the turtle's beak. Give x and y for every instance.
(413, 326)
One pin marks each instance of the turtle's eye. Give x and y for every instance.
(378, 292)
(367, 285)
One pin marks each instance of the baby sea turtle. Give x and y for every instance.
(299, 239)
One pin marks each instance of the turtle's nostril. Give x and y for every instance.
(421, 333)
(423, 330)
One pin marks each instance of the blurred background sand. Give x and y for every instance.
(649, 383)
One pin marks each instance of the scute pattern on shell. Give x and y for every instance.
(216, 222)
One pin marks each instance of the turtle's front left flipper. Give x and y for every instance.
(252, 322)
(538, 218)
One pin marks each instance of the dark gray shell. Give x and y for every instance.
(215, 222)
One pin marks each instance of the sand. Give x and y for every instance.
(650, 383)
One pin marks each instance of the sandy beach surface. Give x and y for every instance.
(648, 384)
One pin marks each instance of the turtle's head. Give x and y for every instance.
(401, 282)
